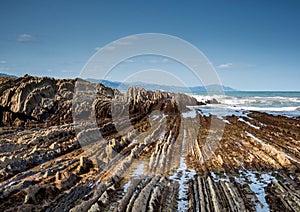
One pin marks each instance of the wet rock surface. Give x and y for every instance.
(102, 150)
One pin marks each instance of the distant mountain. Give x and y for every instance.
(7, 75)
(111, 84)
(217, 87)
(149, 86)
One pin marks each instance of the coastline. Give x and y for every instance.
(166, 158)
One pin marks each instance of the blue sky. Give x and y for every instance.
(254, 45)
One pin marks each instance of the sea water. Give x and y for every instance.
(242, 102)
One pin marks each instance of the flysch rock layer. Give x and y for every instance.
(72, 145)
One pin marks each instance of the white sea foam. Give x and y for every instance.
(232, 105)
(255, 138)
(247, 122)
(271, 109)
(192, 113)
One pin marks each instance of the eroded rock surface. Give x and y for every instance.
(101, 150)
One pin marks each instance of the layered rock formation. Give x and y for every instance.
(31, 100)
(71, 145)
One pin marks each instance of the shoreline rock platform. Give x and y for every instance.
(154, 153)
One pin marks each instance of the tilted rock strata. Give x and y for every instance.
(34, 100)
(150, 156)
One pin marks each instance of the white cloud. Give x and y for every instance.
(123, 42)
(235, 66)
(3, 62)
(225, 66)
(25, 38)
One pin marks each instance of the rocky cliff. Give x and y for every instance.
(31, 100)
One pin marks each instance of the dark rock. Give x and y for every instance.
(65, 180)
(212, 101)
(84, 165)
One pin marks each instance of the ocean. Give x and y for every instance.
(240, 102)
